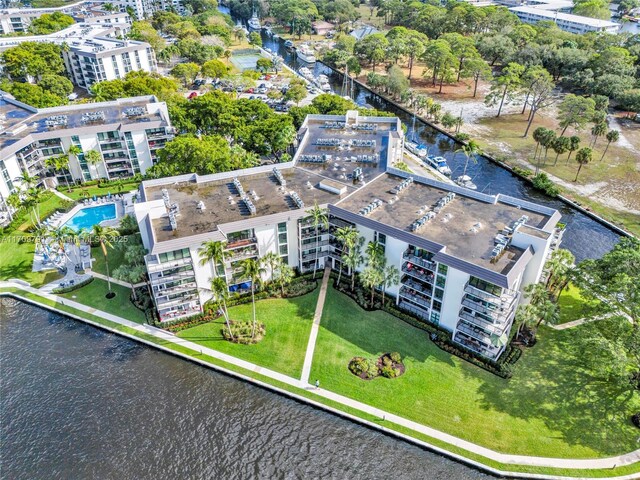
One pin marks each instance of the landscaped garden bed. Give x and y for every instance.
(388, 365)
(244, 333)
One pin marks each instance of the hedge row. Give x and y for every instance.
(73, 287)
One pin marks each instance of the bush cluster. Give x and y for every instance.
(524, 172)
(241, 332)
(388, 365)
(73, 287)
(543, 183)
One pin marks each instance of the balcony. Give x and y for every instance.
(155, 281)
(418, 261)
(174, 302)
(340, 223)
(476, 346)
(475, 332)
(504, 299)
(414, 309)
(498, 314)
(243, 242)
(422, 300)
(307, 233)
(423, 289)
(314, 244)
(175, 314)
(312, 256)
(153, 265)
(497, 328)
(152, 136)
(242, 254)
(418, 273)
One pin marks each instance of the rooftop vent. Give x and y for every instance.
(279, 177)
(98, 116)
(56, 121)
(296, 198)
(134, 112)
(238, 186)
(377, 203)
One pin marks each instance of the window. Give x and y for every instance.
(282, 227)
(282, 237)
(442, 269)
(284, 250)
(437, 306)
(381, 238)
(175, 255)
(439, 293)
(485, 286)
(440, 281)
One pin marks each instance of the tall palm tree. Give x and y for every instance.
(59, 163)
(371, 278)
(470, 150)
(583, 157)
(547, 312)
(253, 271)
(212, 251)
(375, 255)
(318, 217)
(574, 144)
(612, 136)
(285, 275)
(353, 259)
(27, 180)
(598, 130)
(559, 263)
(537, 293)
(104, 236)
(347, 236)
(220, 291)
(273, 261)
(93, 158)
(390, 276)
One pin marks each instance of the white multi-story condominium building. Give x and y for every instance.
(92, 52)
(565, 21)
(17, 20)
(464, 256)
(146, 8)
(127, 133)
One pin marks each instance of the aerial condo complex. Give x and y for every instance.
(465, 257)
(233, 233)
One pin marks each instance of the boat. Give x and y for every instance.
(418, 150)
(439, 163)
(276, 36)
(288, 44)
(267, 30)
(254, 23)
(305, 54)
(326, 87)
(466, 182)
(305, 72)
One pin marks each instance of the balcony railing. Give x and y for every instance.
(414, 309)
(422, 288)
(153, 265)
(503, 299)
(475, 332)
(418, 261)
(174, 302)
(494, 327)
(310, 245)
(499, 315)
(244, 242)
(476, 346)
(172, 278)
(340, 223)
(185, 287)
(415, 298)
(175, 314)
(418, 272)
(312, 256)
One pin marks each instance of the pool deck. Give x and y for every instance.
(119, 204)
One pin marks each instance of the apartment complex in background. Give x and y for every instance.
(93, 52)
(464, 256)
(127, 133)
(566, 21)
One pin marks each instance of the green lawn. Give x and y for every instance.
(550, 407)
(76, 192)
(573, 306)
(115, 255)
(48, 204)
(16, 261)
(94, 293)
(288, 323)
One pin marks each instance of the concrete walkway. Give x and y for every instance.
(308, 357)
(166, 338)
(61, 195)
(114, 280)
(582, 321)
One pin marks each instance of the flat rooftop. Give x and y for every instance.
(22, 122)
(567, 17)
(455, 226)
(349, 147)
(223, 203)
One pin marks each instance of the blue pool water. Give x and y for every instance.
(87, 217)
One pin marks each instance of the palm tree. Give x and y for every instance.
(612, 136)
(104, 236)
(318, 217)
(559, 264)
(285, 275)
(227, 54)
(212, 251)
(560, 145)
(371, 278)
(390, 276)
(375, 255)
(583, 157)
(220, 292)
(93, 157)
(598, 130)
(538, 135)
(59, 163)
(28, 181)
(547, 312)
(251, 269)
(348, 237)
(574, 144)
(353, 259)
(536, 293)
(470, 150)
(547, 141)
(273, 261)
(131, 274)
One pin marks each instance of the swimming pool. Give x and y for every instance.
(87, 217)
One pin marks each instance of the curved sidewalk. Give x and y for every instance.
(507, 459)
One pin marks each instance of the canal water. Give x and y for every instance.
(584, 237)
(77, 402)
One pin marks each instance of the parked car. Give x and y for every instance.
(192, 95)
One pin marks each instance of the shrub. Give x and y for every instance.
(372, 370)
(358, 366)
(388, 371)
(73, 287)
(525, 172)
(543, 183)
(395, 357)
(241, 332)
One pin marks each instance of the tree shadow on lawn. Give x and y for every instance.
(551, 384)
(376, 332)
